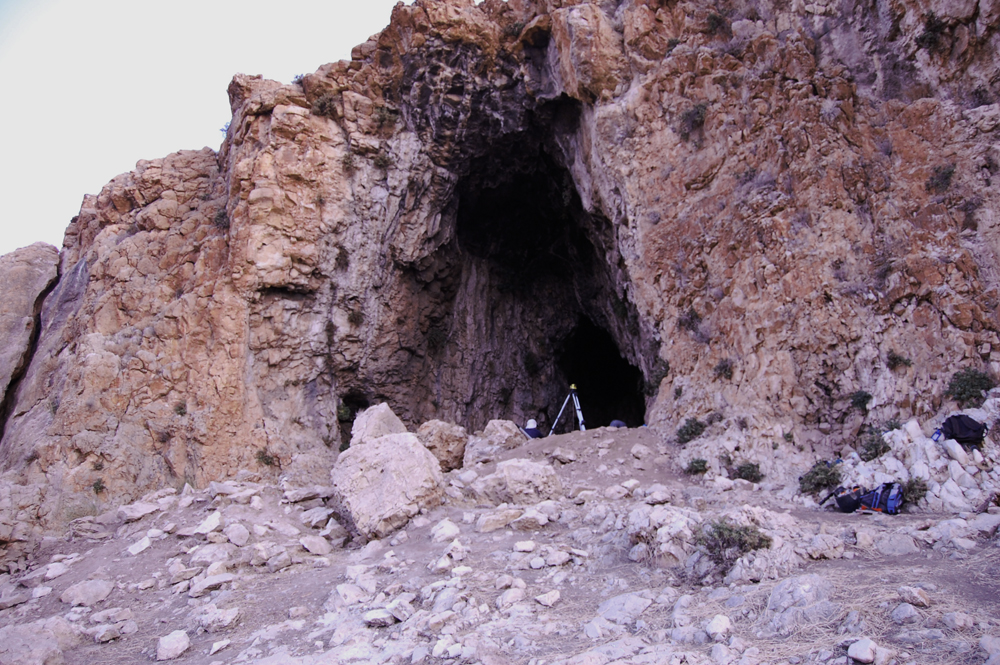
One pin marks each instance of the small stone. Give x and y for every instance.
(548, 599)
(914, 596)
(113, 615)
(524, 546)
(55, 570)
(141, 546)
(379, 618)
(137, 511)
(218, 646)
(640, 451)
(237, 534)
(444, 531)
(87, 593)
(958, 620)
(509, 597)
(298, 612)
(210, 584)
(718, 628)
(557, 558)
(862, 651)
(279, 562)
(105, 633)
(905, 614)
(210, 523)
(537, 563)
(316, 545)
(172, 646)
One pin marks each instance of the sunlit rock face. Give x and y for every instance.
(684, 209)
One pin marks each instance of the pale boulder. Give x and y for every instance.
(375, 422)
(172, 646)
(519, 481)
(445, 441)
(379, 486)
(87, 593)
(29, 644)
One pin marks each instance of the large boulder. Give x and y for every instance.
(445, 441)
(498, 436)
(25, 274)
(519, 481)
(29, 644)
(379, 486)
(374, 422)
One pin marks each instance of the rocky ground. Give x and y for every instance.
(585, 548)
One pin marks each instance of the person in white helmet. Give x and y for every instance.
(531, 429)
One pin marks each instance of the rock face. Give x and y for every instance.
(687, 213)
(26, 275)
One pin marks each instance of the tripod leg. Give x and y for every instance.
(556, 421)
(579, 412)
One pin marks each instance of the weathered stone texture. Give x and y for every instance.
(756, 211)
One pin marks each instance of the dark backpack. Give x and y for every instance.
(886, 498)
(965, 430)
(848, 498)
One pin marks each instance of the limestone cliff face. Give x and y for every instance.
(687, 208)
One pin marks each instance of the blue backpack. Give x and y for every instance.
(886, 498)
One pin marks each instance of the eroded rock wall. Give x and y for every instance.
(757, 202)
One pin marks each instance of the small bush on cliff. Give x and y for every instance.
(725, 542)
(356, 317)
(933, 38)
(181, 409)
(749, 471)
(221, 219)
(820, 477)
(265, 458)
(873, 446)
(724, 369)
(325, 106)
(382, 161)
(940, 180)
(347, 162)
(98, 486)
(914, 490)
(696, 467)
(692, 120)
(895, 361)
(968, 385)
(690, 430)
(860, 399)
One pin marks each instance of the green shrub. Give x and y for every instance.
(895, 361)
(696, 467)
(98, 486)
(820, 477)
(940, 180)
(914, 490)
(725, 542)
(180, 409)
(716, 24)
(356, 317)
(873, 446)
(692, 120)
(860, 399)
(325, 106)
(724, 369)
(347, 162)
(221, 219)
(933, 37)
(382, 161)
(749, 471)
(789, 437)
(386, 116)
(344, 413)
(968, 385)
(678, 391)
(265, 458)
(690, 430)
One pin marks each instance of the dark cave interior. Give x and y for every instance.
(520, 213)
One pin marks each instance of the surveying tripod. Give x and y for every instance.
(576, 405)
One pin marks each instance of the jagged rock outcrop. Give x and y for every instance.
(740, 210)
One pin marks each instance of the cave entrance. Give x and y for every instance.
(609, 387)
(540, 278)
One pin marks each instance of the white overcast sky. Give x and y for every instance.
(89, 87)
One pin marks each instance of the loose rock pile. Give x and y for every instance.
(578, 549)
